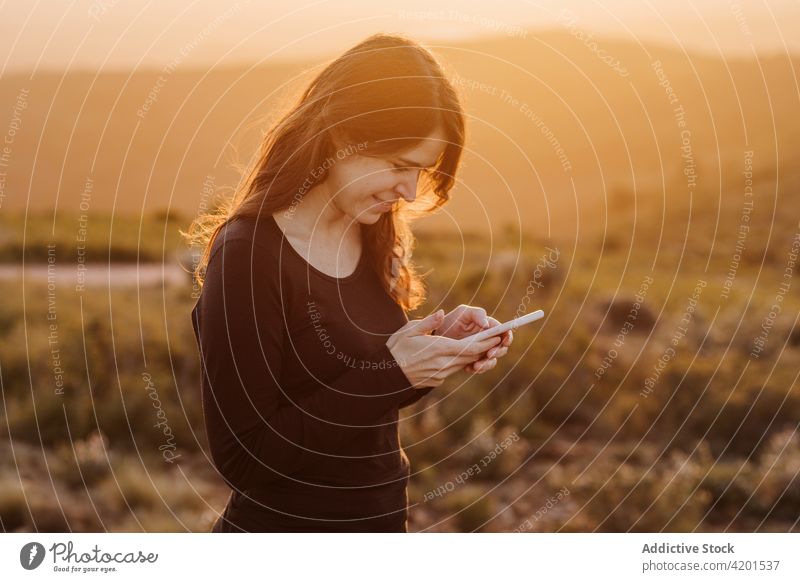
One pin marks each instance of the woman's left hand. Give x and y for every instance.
(465, 321)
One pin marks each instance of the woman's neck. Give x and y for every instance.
(315, 217)
(324, 237)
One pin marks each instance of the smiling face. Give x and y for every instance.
(364, 187)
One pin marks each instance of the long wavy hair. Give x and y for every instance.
(384, 95)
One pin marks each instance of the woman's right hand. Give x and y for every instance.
(427, 360)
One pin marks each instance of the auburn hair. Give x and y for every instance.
(384, 95)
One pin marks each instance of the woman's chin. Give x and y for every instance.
(371, 215)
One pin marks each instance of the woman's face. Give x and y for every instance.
(364, 187)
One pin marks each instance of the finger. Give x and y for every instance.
(475, 346)
(451, 346)
(482, 323)
(484, 365)
(483, 346)
(429, 323)
(503, 337)
(474, 367)
(459, 361)
(470, 354)
(497, 352)
(479, 317)
(467, 363)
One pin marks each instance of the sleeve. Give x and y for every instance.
(417, 395)
(258, 436)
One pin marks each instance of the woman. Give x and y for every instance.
(306, 348)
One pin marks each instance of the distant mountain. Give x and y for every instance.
(561, 128)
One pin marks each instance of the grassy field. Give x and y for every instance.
(672, 425)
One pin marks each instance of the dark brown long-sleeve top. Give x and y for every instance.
(300, 392)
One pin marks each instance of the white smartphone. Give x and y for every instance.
(504, 327)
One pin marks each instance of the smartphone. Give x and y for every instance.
(504, 327)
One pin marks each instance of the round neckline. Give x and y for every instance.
(339, 280)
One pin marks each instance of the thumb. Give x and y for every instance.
(429, 323)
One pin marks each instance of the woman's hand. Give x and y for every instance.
(465, 321)
(427, 360)
(490, 360)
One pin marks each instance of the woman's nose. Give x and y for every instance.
(407, 188)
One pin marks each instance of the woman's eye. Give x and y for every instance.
(398, 169)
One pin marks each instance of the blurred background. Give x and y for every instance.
(631, 168)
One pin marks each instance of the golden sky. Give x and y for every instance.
(125, 34)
